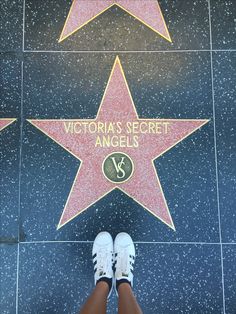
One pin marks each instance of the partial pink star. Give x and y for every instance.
(5, 122)
(90, 183)
(146, 11)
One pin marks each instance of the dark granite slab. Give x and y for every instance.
(230, 278)
(225, 103)
(223, 24)
(8, 271)
(173, 279)
(10, 107)
(11, 25)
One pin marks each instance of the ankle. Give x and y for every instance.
(102, 285)
(106, 282)
(122, 283)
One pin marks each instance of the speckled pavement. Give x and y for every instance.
(187, 270)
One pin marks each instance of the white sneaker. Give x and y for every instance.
(124, 257)
(103, 257)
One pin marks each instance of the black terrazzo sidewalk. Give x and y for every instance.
(192, 270)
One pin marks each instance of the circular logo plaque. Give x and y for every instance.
(118, 167)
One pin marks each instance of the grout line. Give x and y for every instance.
(114, 51)
(23, 28)
(20, 160)
(179, 243)
(224, 50)
(19, 184)
(126, 51)
(65, 241)
(136, 242)
(20, 150)
(17, 275)
(216, 159)
(110, 51)
(193, 243)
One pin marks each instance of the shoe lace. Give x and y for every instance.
(103, 261)
(123, 262)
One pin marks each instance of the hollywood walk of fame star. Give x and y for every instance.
(83, 11)
(5, 122)
(117, 150)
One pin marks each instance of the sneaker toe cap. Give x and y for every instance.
(103, 239)
(123, 239)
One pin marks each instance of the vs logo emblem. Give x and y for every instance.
(118, 167)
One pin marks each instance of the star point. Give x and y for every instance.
(147, 12)
(6, 122)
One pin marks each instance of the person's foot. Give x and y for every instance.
(103, 259)
(124, 257)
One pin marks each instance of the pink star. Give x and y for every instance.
(83, 11)
(5, 122)
(92, 142)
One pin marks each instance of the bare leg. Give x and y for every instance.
(97, 301)
(127, 302)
